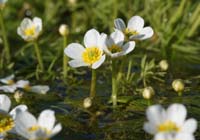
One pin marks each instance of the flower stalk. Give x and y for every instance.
(65, 58)
(5, 39)
(93, 84)
(38, 55)
(114, 83)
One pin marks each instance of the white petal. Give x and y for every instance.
(136, 23)
(22, 83)
(26, 22)
(5, 103)
(190, 126)
(146, 32)
(176, 113)
(47, 119)
(117, 37)
(42, 89)
(17, 109)
(150, 128)
(74, 50)
(56, 130)
(103, 40)
(163, 136)
(8, 89)
(156, 114)
(98, 63)
(7, 79)
(119, 24)
(77, 63)
(184, 136)
(91, 38)
(38, 23)
(24, 120)
(128, 47)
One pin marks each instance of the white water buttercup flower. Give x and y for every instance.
(9, 80)
(7, 118)
(10, 86)
(172, 120)
(37, 129)
(115, 47)
(29, 29)
(135, 28)
(178, 136)
(25, 84)
(91, 55)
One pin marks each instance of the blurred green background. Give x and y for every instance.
(177, 39)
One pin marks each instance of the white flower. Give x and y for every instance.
(135, 28)
(115, 47)
(171, 120)
(29, 29)
(24, 84)
(10, 87)
(35, 129)
(92, 55)
(8, 80)
(178, 136)
(7, 118)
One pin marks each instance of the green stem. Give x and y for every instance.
(180, 93)
(5, 39)
(93, 84)
(129, 69)
(65, 58)
(38, 55)
(114, 84)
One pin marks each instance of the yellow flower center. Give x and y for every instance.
(10, 82)
(115, 49)
(6, 123)
(130, 32)
(91, 55)
(36, 128)
(168, 126)
(27, 87)
(30, 31)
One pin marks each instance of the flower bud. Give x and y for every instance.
(163, 65)
(87, 102)
(148, 92)
(63, 30)
(178, 85)
(72, 2)
(18, 95)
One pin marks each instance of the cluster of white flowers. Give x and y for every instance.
(11, 86)
(170, 124)
(115, 45)
(22, 122)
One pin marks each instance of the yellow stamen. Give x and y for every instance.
(30, 31)
(6, 123)
(115, 49)
(91, 55)
(10, 82)
(36, 128)
(168, 126)
(130, 32)
(27, 87)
